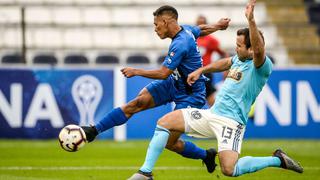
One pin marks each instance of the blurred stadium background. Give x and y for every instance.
(60, 62)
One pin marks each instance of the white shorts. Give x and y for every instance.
(201, 123)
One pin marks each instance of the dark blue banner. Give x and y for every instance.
(38, 103)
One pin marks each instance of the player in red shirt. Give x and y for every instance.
(208, 45)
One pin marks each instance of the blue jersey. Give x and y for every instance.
(240, 89)
(183, 58)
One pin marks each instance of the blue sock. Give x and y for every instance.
(156, 146)
(250, 164)
(192, 151)
(114, 118)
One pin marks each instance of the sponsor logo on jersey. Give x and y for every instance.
(235, 74)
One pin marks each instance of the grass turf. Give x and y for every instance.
(108, 160)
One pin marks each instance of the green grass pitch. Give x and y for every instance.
(108, 160)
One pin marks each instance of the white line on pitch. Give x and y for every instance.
(54, 168)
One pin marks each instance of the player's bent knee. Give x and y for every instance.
(227, 170)
(163, 122)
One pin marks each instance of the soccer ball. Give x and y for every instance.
(72, 138)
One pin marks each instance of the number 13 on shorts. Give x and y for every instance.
(226, 132)
(231, 138)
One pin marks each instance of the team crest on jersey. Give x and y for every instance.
(235, 74)
(196, 114)
(172, 54)
(169, 61)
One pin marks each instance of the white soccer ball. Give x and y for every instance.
(72, 138)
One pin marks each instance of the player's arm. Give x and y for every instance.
(161, 73)
(255, 38)
(206, 29)
(216, 66)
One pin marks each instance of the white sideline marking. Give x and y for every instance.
(83, 168)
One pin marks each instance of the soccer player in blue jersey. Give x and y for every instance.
(227, 118)
(183, 58)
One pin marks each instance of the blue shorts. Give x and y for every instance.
(164, 91)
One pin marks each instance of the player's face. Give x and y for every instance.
(160, 27)
(241, 49)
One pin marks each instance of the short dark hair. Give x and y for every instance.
(166, 9)
(245, 32)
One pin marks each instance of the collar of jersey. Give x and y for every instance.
(177, 33)
(246, 60)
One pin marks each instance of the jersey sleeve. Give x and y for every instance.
(266, 67)
(194, 29)
(234, 58)
(175, 55)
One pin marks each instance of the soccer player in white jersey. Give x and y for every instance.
(227, 118)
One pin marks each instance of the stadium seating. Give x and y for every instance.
(138, 59)
(50, 38)
(124, 27)
(314, 14)
(45, 59)
(75, 59)
(11, 38)
(313, 7)
(297, 34)
(38, 15)
(10, 15)
(12, 58)
(107, 59)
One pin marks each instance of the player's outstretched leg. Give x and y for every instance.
(119, 116)
(114, 118)
(250, 164)
(287, 162)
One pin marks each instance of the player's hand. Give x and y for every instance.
(129, 72)
(193, 77)
(250, 9)
(223, 23)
